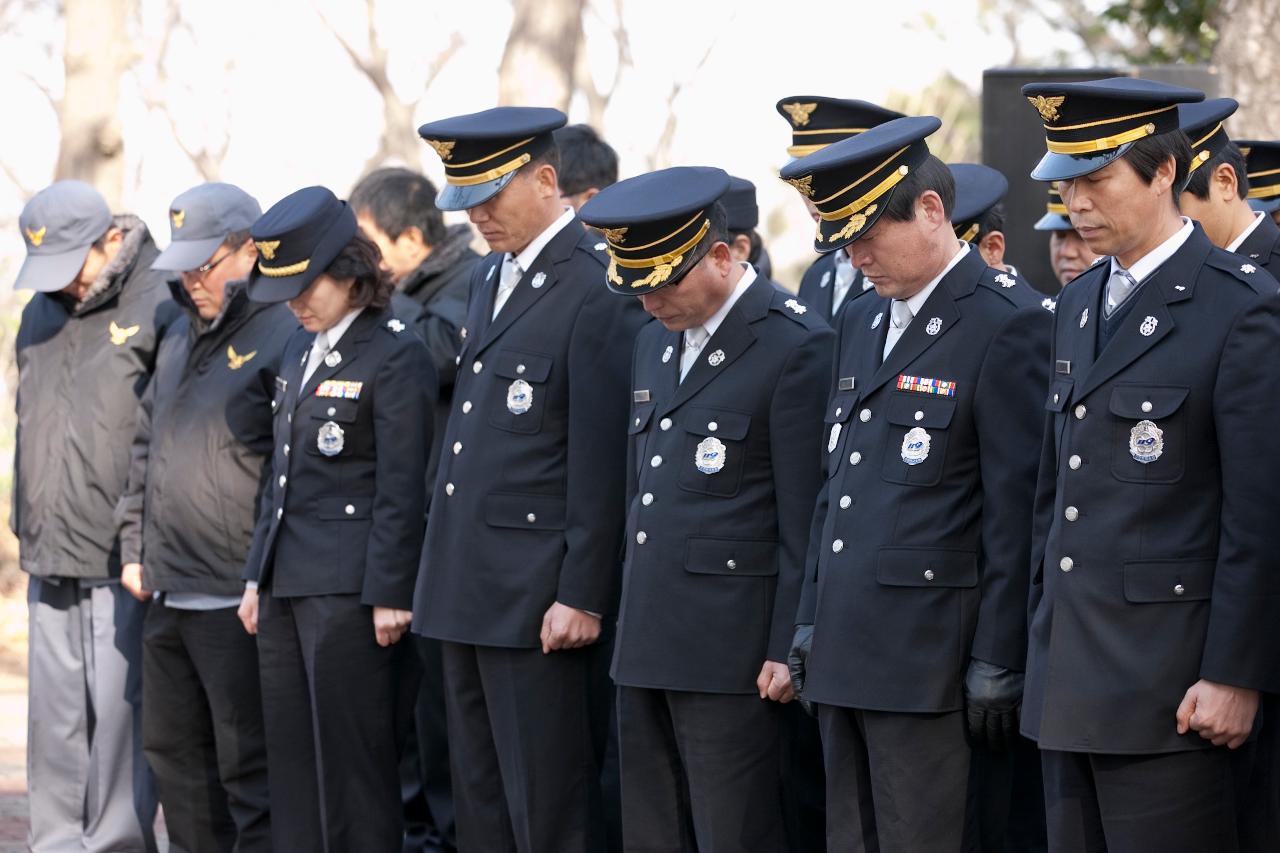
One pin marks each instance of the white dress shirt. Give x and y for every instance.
(915, 303)
(702, 334)
(525, 257)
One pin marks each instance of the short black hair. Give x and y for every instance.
(399, 199)
(588, 161)
(932, 174)
(1198, 183)
(236, 239)
(757, 244)
(717, 232)
(992, 220)
(361, 261)
(1150, 153)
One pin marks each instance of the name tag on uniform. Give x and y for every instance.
(926, 385)
(1062, 367)
(846, 383)
(343, 389)
(641, 396)
(282, 384)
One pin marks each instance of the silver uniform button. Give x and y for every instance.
(1071, 513)
(839, 411)
(448, 489)
(279, 513)
(864, 415)
(1074, 463)
(665, 424)
(1066, 564)
(1055, 398)
(855, 457)
(837, 546)
(713, 426)
(647, 498)
(928, 574)
(286, 450)
(520, 368)
(331, 411)
(1081, 411)
(919, 416)
(637, 422)
(476, 367)
(283, 480)
(655, 461)
(466, 407)
(349, 509)
(531, 518)
(457, 359)
(846, 502)
(457, 448)
(290, 417)
(642, 537)
(732, 564)
(1146, 405)
(1179, 589)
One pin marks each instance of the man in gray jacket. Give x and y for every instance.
(85, 348)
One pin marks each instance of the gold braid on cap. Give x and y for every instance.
(281, 272)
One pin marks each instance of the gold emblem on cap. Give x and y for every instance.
(1047, 107)
(615, 235)
(267, 248)
(800, 113)
(37, 237)
(235, 361)
(803, 185)
(119, 335)
(443, 148)
(855, 224)
(178, 217)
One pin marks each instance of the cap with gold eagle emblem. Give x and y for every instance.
(482, 152)
(1262, 164)
(1202, 123)
(653, 225)
(817, 121)
(200, 220)
(1088, 125)
(850, 182)
(297, 239)
(1055, 213)
(59, 226)
(978, 189)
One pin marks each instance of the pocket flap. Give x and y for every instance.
(927, 567)
(721, 423)
(639, 419)
(337, 509)
(1148, 581)
(704, 555)
(532, 512)
(1147, 402)
(330, 409)
(517, 364)
(839, 408)
(1059, 395)
(923, 410)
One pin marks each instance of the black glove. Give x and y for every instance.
(993, 697)
(797, 658)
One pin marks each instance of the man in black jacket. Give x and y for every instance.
(186, 522)
(86, 348)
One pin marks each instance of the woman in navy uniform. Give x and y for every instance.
(335, 553)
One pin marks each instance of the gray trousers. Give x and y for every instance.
(89, 787)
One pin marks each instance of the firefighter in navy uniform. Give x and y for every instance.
(335, 553)
(723, 468)
(816, 122)
(524, 543)
(911, 626)
(979, 215)
(1155, 584)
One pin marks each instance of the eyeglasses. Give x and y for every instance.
(204, 269)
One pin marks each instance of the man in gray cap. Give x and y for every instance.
(85, 352)
(186, 523)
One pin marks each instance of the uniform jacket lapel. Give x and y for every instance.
(1261, 245)
(349, 346)
(547, 264)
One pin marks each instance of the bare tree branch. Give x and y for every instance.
(661, 154)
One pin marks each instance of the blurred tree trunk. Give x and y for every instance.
(96, 55)
(1246, 56)
(538, 62)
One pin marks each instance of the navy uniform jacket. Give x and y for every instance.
(349, 522)
(913, 569)
(529, 505)
(1262, 247)
(1147, 577)
(817, 286)
(715, 559)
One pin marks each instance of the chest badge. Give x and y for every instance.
(1148, 327)
(834, 439)
(935, 326)
(235, 360)
(666, 354)
(120, 335)
(716, 358)
(875, 323)
(539, 280)
(1084, 318)
(915, 446)
(1146, 442)
(333, 359)
(710, 455)
(519, 397)
(330, 439)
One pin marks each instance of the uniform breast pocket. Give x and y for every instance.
(836, 424)
(521, 391)
(333, 425)
(714, 447)
(1149, 433)
(919, 427)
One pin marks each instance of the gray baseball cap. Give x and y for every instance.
(200, 220)
(59, 225)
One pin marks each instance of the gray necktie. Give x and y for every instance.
(694, 340)
(1118, 289)
(319, 349)
(511, 273)
(900, 317)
